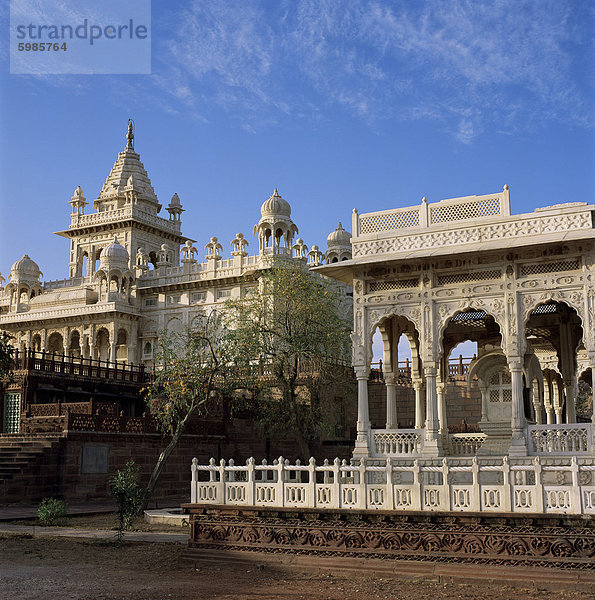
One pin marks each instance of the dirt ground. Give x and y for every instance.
(106, 521)
(36, 569)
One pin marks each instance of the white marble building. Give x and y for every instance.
(521, 286)
(132, 273)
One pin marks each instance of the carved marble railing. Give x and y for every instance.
(200, 271)
(565, 439)
(493, 485)
(462, 221)
(397, 442)
(465, 444)
(64, 283)
(427, 214)
(127, 212)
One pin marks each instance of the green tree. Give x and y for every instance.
(290, 341)
(191, 370)
(6, 354)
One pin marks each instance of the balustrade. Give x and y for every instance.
(464, 485)
(30, 360)
(570, 438)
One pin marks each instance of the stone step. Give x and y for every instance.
(18, 456)
(22, 454)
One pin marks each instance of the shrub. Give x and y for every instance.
(129, 495)
(51, 511)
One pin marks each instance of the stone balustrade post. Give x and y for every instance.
(575, 491)
(280, 491)
(363, 495)
(389, 502)
(416, 490)
(250, 481)
(538, 485)
(506, 487)
(221, 495)
(476, 489)
(194, 484)
(336, 493)
(311, 489)
(445, 501)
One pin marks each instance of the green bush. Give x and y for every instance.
(129, 495)
(51, 511)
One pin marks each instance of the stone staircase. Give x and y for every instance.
(29, 466)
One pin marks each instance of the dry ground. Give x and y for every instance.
(37, 568)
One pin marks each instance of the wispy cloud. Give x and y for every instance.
(466, 66)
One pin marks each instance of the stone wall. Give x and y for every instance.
(461, 403)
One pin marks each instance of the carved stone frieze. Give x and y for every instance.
(454, 237)
(383, 536)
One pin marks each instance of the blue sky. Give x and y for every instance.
(339, 104)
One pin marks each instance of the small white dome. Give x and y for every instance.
(275, 206)
(25, 270)
(339, 237)
(114, 255)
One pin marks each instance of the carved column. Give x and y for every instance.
(547, 401)
(537, 402)
(483, 388)
(432, 442)
(419, 403)
(570, 389)
(391, 401)
(557, 400)
(442, 421)
(362, 441)
(518, 444)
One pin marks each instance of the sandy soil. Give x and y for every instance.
(36, 569)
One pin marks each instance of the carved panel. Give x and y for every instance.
(402, 537)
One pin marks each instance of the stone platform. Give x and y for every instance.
(552, 550)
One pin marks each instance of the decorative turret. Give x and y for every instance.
(188, 253)
(78, 202)
(174, 208)
(24, 283)
(339, 245)
(114, 256)
(114, 276)
(141, 262)
(315, 256)
(213, 249)
(275, 228)
(164, 256)
(239, 244)
(300, 250)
